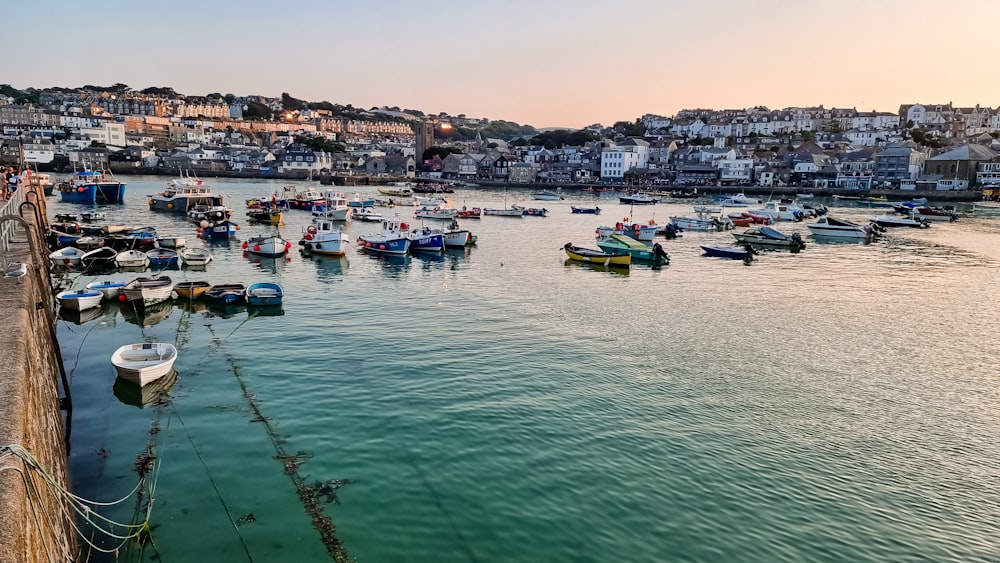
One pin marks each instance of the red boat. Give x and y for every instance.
(474, 213)
(741, 215)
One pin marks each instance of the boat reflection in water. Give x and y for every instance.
(191, 305)
(265, 310)
(147, 316)
(615, 270)
(152, 394)
(87, 315)
(393, 265)
(224, 310)
(269, 264)
(328, 268)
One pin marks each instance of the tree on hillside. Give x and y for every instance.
(289, 103)
(439, 151)
(257, 110)
(634, 129)
(319, 144)
(166, 92)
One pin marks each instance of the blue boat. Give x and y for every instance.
(426, 239)
(223, 230)
(392, 239)
(90, 187)
(264, 293)
(230, 293)
(591, 210)
(163, 258)
(744, 252)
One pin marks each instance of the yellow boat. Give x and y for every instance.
(597, 256)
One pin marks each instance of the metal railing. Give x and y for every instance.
(10, 207)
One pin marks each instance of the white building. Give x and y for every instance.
(111, 133)
(616, 161)
(39, 153)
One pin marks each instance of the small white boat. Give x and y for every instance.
(66, 257)
(840, 228)
(324, 237)
(546, 195)
(79, 300)
(267, 246)
(132, 259)
(436, 212)
(109, 289)
(171, 242)
(149, 291)
(195, 256)
(367, 214)
(100, 258)
(778, 211)
(144, 362)
(89, 242)
(703, 222)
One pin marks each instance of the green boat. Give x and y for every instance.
(640, 251)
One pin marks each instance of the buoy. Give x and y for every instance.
(288, 245)
(308, 236)
(256, 247)
(381, 247)
(80, 189)
(150, 203)
(204, 224)
(122, 298)
(244, 245)
(199, 230)
(170, 206)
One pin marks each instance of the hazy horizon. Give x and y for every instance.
(560, 63)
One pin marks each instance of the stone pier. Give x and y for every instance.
(36, 523)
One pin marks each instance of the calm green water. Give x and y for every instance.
(498, 404)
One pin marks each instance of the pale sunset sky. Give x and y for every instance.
(566, 63)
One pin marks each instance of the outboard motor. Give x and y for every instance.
(660, 253)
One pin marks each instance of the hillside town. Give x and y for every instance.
(921, 146)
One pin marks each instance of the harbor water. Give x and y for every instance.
(499, 403)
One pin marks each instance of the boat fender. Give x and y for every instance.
(308, 236)
(311, 230)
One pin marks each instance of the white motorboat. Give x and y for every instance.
(195, 256)
(703, 222)
(66, 257)
(455, 237)
(144, 362)
(436, 212)
(132, 259)
(894, 221)
(336, 207)
(324, 237)
(109, 289)
(546, 195)
(778, 211)
(366, 214)
(79, 300)
(933, 214)
(271, 245)
(149, 291)
(182, 195)
(829, 227)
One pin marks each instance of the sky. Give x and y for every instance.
(546, 63)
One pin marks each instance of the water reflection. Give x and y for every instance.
(224, 310)
(328, 268)
(191, 305)
(265, 310)
(393, 265)
(269, 264)
(153, 393)
(614, 270)
(148, 315)
(431, 260)
(87, 315)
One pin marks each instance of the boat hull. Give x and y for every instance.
(597, 257)
(79, 300)
(262, 294)
(109, 289)
(149, 291)
(144, 363)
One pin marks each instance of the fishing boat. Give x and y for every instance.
(840, 228)
(597, 256)
(778, 211)
(66, 257)
(589, 210)
(455, 237)
(737, 200)
(195, 256)
(503, 212)
(391, 239)
(191, 289)
(435, 212)
(132, 259)
(101, 258)
(144, 362)
(229, 293)
(396, 190)
(470, 213)
(149, 291)
(269, 245)
(223, 230)
(109, 289)
(264, 293)
(90, 187)
(546, 195)
(211, 213)
(79, 300)
(359, 201)
(325, 238)
(41, 182)
(638, 231)
(766, 236)
(183, 195)
(641, 252)
(163, 258)
(745, 253)
(425, 239)
(268, 215)
(531, 211)
(336, 206)
(308, 199)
